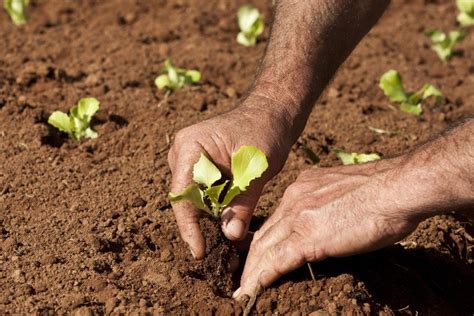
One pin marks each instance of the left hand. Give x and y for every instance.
(329, 212)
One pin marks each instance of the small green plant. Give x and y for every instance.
(443, 44)
(16, 9)
(354, 158)
(210, 192)
(251, 25)
(466, 12)
(173, 78)
(410, 102)
(77, 123)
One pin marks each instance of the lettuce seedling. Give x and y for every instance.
(16, 9)
(211, 195)
(443, 44)
(173, 78)
(251, 25)
(77, 123)
(466, 12)
(354, 158)
(410, 102)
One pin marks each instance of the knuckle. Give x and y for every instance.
(304, 228)
(256, 246)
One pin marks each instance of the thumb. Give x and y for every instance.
(237, 216)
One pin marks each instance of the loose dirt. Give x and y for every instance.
(86, 227)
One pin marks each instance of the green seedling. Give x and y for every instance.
(383, 131)
(77, 123)
(210, 192)
(466, 12)
(354, 158)
(251, 25)
(16, 9)
(173, 78)
(443, 44)
(410, 102)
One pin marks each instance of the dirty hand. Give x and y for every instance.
(342, 211)
(327, 212)
(252, 123)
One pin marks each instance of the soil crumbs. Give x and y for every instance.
(86, 228)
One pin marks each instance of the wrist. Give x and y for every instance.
(430, 181)
(285, 110)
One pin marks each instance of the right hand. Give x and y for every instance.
(252, 123)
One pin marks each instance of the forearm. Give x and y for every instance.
(309, 40)
(439, 176)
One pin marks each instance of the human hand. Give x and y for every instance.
(329, 212)
(252, 123)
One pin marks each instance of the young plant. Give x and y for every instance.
(410, 102)
(173, 78)
(443, 44)
(251, 25)
(354, 158)
(211, 195)
(16, 9)
(77, 123)
(466, 12)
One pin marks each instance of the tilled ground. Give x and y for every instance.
(86, 226)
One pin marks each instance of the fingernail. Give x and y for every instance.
(236, 228)
(236, 293)
(192, 253)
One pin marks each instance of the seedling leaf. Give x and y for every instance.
(215, 192)
(77, 123)
(173, 78)
(355, 158)
(205, 172)
(444, 44)
(466, 14)
(410, 108)
(61, 121)
(248, 163)
(192, 194)
(363, 158)
(16, 9)
(432, 91)
(392, 85)
(410, 102)
(162, 81)
(251, 25)
(87, 107)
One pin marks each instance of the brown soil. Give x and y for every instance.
(86, 226)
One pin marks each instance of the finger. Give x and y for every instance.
(237, 216)
(187, 216)
(280, 231)
(278, 260)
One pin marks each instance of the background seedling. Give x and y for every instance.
(410, 102)
(77, 123)
(466, 12)
(251, 25)
(173, 78)
(443, 44)
(383, 131)
(354, 158)
(211, 195)
(16, 9)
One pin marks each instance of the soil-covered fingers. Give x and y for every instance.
(278, 232)
(187, 216)
(281, 258)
